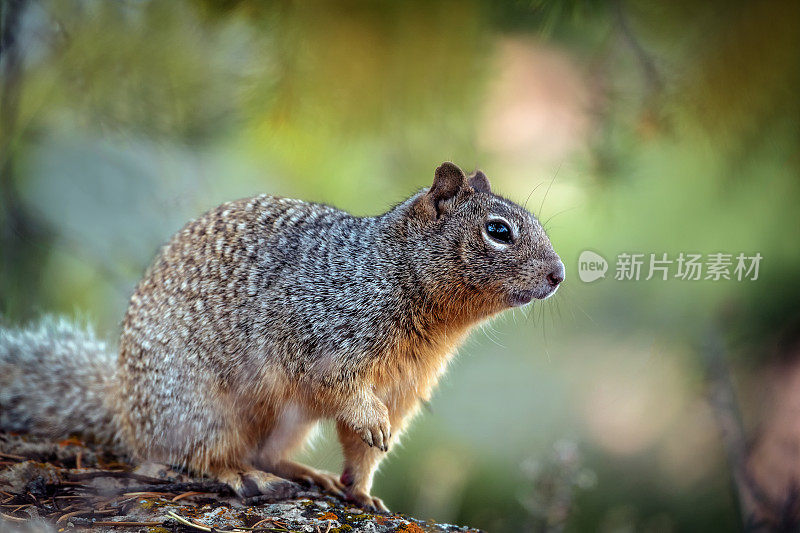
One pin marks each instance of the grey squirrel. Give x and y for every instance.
(266, 315)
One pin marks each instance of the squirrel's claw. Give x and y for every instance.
(377, 436)
(259, 483)
(368, 417)
(370, 503)
(326, 481)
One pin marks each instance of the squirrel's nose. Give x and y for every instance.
(556, 275)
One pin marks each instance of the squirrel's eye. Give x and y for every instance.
(499, 231)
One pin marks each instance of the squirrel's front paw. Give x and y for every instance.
(371, 423)
(377, 435)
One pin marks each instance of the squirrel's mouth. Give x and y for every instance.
(544, 289)
(520, 298)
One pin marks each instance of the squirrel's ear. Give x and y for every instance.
(447, 182)
(480, 182)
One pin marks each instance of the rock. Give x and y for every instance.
(81, 487)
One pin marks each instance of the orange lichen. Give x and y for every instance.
(328, 516)
(411, 528)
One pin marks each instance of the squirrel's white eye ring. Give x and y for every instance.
(499, 230)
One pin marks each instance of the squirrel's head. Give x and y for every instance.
(503, 255)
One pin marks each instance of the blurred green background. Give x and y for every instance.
(648, 127)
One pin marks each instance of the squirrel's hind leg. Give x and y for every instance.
(231, 460)
(305, 474)
(289, 432)
(242, 476)
(247, 483)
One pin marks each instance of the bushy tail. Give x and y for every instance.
(55, 380)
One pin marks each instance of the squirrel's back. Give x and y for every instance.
(258, 291)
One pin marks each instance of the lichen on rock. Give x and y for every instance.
(73, 486)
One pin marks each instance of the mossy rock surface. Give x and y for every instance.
(71, 486)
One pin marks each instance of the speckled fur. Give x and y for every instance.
(55, 376)
(267, 314)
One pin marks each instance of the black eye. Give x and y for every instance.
(499, 231)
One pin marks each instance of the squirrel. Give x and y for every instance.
(266, 315)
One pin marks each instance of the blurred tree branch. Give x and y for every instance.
(10, 15)
(653, 81)
(652, 119)
(18, 229)
(758, 511)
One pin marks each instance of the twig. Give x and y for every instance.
(17, 508)
(190, 524)
(267, 519)
(81, 476)
(273, 520)
(194, 525)
(84, 511)
(196, 486)
(72, 506)
(189, 494)
(142, 494)
(12, 518)
(125, 524)
(67, 516)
